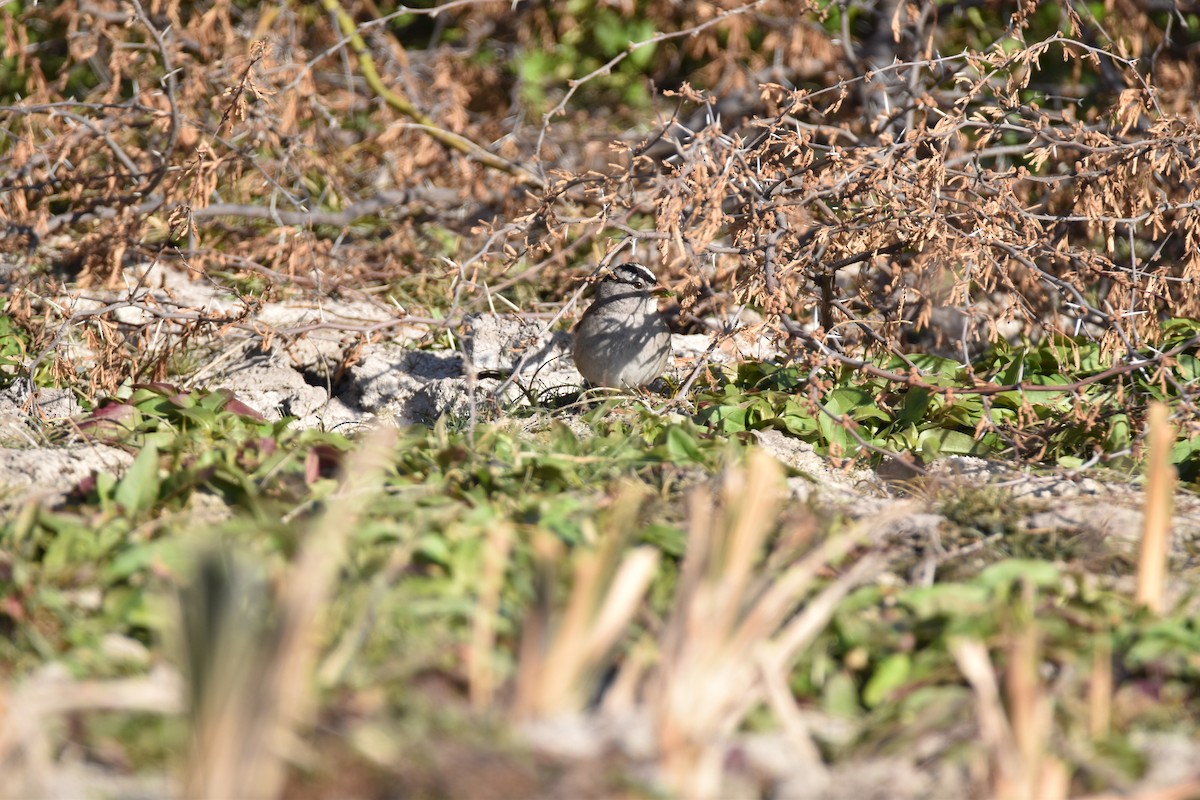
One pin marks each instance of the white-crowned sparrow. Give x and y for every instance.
(622, 340)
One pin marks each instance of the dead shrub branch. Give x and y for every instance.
(862, 193)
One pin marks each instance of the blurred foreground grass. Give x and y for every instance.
(252, 606)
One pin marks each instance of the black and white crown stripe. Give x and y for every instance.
(630, 272)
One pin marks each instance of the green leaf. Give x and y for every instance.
(106, 486)
(1120, 434)
(758, 411)
(610, 33)
(70, 549)
(931, 365)
(666, 538)
(870, 411)
(1185, 449)
(840, 696)
(1015, 570)
(434, 548)
(138, 489)
(1189, 367)
(935, 442)
(944, 599)
(846, 399)
(139, 558)
(913, 407)
(834, 434)
(904, 438)
(203, 417)
(641, 58)
(1014, 370)
(682, 448)
(131, 608)
(730, 419)
(889, 676)
(1008, 400)
(1181, 328)
(1170, 642)
(800, 425)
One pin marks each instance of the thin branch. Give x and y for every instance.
(454, 141)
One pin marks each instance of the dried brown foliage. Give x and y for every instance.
(905, 182)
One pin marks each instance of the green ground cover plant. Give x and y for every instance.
(1015, 400)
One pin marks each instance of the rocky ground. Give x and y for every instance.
(306, 360)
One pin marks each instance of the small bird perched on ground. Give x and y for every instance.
(622, 340)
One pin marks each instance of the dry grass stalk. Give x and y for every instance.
(1020, 763)
(1156, 528)
(1100, 688)
(976, 666)
(732, 637)
(779, 698)
(27, 760)
(622, 697)
(558, 657)
(480, 657)
(1031, 710)
(258, 691)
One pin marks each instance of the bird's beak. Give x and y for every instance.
(662, 291)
